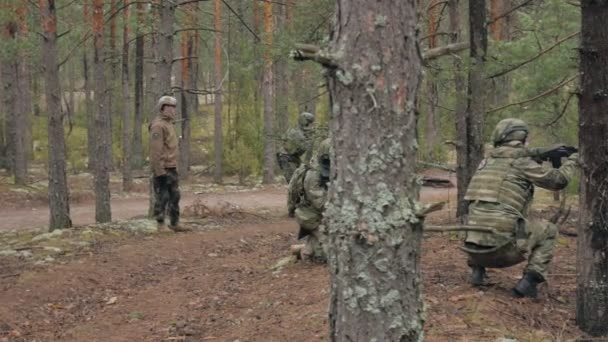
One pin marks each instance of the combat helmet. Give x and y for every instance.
(508, 130)
(166, 101)
(306, 120)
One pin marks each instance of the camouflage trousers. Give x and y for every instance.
(537, 248)
(166, 193)
(313, 249)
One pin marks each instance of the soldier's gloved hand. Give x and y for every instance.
(574, 157)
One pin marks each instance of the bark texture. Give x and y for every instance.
(59, 202)
(469, 123)
(138, 93)
(103, 128)
(217, 132)
(127, 176)
(268, 98)
(592, 242)
(373, 231)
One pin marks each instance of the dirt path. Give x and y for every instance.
(125, 208)
(272, 199)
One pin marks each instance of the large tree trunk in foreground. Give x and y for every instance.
(469, 124)
(59, 203)
(374, 234)
(103, 129)
(592, 243)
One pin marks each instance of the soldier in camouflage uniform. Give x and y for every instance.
(163, 161)
(306, 202)
(499, 195)
(297, 144)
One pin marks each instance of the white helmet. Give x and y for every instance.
(166, 101)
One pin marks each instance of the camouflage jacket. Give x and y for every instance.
(296, 142)
(307, 198)
(163, 145)
(502, 189)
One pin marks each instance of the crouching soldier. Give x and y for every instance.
(306, 202)
(297, 145)
(499, 196)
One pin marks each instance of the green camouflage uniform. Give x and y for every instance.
(499, 195)
(306, 201)
(297, 145)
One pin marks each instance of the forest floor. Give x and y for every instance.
(226, 281)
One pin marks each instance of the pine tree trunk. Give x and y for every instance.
(165, 47)
(3, 152)
(88, 101)
(163, 52)
(432, 93)
(21, 115)
(592, 242)
(267, 95)
(127, 176)
(59, 203)
(23, 98)
(217, 132)
(282, 76)
(469, 123)
(103, 143)
(9, 78)
(138, 121)
(374, 234)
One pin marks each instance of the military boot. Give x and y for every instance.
(180, 229)
(526, 286)
(478, 276)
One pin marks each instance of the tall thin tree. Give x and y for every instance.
(88, 101)
(268, 97)
(138, 93)
(469, 123)
(127, 176)
(59, 203)
(103, 129)
(217, 131)
(592, 242)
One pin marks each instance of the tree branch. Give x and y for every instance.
(506, 13)
(242, 21)
(498, 74)
(561, 114)
(177, 59)
(543, 94)
(195, 29)
(196, 91)
(437, 52)
(307, 52)
(185, 2)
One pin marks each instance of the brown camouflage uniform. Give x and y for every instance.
(163, 161)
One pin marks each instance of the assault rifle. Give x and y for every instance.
(554, 154)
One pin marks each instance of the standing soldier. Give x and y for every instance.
(306, 202)
(500, 194)
(163, 160)
(297, 143)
